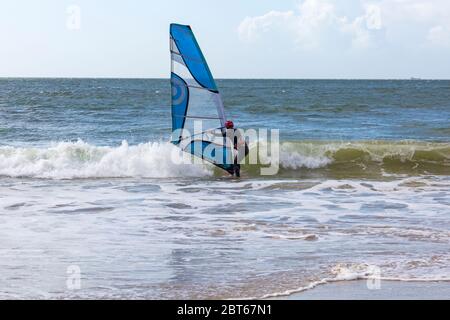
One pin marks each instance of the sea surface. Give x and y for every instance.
(91, 206)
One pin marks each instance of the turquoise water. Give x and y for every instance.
(85, 181)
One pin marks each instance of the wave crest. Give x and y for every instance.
(72, 160)
(367, 156)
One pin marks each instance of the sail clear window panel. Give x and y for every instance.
(177, 58)
(183, 72)
(173, 46)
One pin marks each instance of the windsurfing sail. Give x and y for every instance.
(198, 115)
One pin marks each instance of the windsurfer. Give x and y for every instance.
(240, 147)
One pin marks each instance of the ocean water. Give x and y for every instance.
(85, 184)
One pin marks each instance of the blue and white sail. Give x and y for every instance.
(196, 102)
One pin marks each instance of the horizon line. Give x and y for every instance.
(226, 78)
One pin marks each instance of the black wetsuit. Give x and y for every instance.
(237, 166)
(237, 160)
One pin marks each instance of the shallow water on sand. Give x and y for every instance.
(210, 238)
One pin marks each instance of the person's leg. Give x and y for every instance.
(237, 170)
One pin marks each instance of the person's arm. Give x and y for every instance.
(239, 141)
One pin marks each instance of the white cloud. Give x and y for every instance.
(428, 20)
(252, 27)
(373, 17)
(313, 18)
(364, 28)
(317, 23)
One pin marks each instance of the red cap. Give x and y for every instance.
(229, 124)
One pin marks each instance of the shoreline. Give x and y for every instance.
(388, 290)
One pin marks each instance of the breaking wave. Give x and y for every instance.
(367, 157)
(73, 160)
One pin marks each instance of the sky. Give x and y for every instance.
(306, 39)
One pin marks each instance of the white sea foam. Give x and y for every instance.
(71, 160)
(363, 271)
(296, 160)
(148, 230)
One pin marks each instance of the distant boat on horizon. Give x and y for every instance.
(413, 78)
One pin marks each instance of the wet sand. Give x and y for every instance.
(389, 290)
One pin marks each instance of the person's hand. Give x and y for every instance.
(241, 143)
